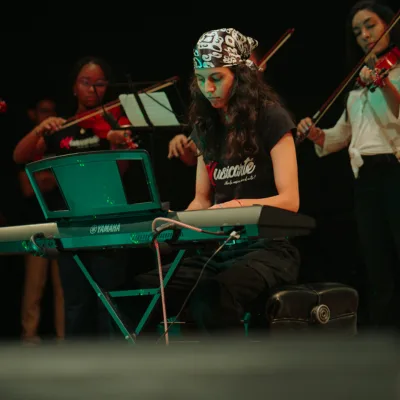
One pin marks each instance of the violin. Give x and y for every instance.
(101, 124)
(381, 69)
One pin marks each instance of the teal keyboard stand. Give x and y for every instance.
(92, 190)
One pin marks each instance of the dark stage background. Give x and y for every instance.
(305, 71)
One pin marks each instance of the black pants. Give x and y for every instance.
(377, 207)
(227, 288)
(85, 315)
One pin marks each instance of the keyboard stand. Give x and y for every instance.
(106, 297)
(106, 199)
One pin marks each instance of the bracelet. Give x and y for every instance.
(240, 204)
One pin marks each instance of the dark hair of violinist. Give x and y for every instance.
(369, 129)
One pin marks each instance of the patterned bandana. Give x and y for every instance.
(223, 48)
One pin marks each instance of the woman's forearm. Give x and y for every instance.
(28, 148)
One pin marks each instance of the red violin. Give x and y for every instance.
(101, 124)
(3, 106)
(381, 68)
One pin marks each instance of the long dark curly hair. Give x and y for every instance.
(249, 96)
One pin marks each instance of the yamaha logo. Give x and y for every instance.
(108, 228)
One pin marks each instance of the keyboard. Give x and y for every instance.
(251, 223)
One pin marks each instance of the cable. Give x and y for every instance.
(232, 235)
(171, 223)
(41, 251)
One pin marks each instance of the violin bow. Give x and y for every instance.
(325, 107)
(275, 47)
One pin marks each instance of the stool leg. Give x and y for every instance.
(246, 323)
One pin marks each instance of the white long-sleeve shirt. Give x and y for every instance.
(369, 129)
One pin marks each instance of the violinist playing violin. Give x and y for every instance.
(90, 78)
(370, 128)
(85, 316)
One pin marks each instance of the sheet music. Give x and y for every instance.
(132, 110)
(158, 114)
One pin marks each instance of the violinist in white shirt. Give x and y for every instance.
(370, 128)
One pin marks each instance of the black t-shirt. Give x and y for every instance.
(74, 140)
(251, 177)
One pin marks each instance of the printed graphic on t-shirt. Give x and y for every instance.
(251, 176)
(74, 140)
(79, 138)
(232, 174)
(72, 143)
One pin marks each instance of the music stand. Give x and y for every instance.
(146, 110)
(91, 185)
(148, 113)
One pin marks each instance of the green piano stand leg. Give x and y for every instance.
(106, 300)
(106, 297)
(157, 291)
